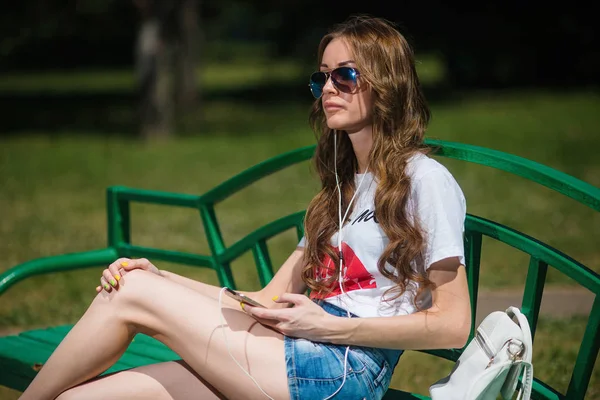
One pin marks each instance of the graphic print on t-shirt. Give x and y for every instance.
(435, 200)
(354, 272)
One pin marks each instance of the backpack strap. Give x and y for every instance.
(524, 324)
(527, 382)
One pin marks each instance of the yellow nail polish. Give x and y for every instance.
(124, 263)
(242, 305)
(118, 277)
(275, 298)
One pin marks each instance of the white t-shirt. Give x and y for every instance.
(436, 200)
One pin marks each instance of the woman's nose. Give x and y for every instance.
(329, 86)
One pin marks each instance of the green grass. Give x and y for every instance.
(52, 198)
(560, 131)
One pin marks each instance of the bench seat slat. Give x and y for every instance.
(19, 354)
(142, 345)
(395, 394)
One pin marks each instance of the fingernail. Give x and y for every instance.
(118, 277)
(124, 263)
(98, 288)
(113, 282)
(275, 298)
(106, 286)
(242, 305)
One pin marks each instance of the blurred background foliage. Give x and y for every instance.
(485, 44)
(222, 85)
(90, 53)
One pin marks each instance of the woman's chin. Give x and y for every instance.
(335, 123)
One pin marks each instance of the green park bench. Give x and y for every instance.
(22, 355)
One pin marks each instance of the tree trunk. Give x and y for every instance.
(166, 58)
(187, 85)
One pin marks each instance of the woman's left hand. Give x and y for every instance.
(119, 268)
(304, 320)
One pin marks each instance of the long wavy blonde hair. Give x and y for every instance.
(386, 64)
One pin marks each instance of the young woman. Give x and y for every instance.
(382, 257)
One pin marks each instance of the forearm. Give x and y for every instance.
(287, 279)
(446, 324)
(418, 331)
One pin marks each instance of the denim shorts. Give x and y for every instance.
(316, 370)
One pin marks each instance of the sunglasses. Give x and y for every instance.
(343, 78)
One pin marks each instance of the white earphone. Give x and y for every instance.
(339, 246)
(341, 220)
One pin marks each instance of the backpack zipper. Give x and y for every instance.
(486, 347)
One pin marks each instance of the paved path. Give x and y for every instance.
(557, 302)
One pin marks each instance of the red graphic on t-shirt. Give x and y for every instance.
(354, 273)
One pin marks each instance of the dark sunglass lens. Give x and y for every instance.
(317, 81)
(345, 78)
(316, 89)
(318, 78)
(345, 74)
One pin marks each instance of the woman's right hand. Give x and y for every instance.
(112, 275)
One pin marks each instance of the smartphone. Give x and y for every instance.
(242, 298)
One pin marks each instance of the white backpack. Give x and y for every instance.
(492, 362)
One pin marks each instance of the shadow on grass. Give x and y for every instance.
(116, 113)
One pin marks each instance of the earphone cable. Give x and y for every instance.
(340, 238)
(229, 348)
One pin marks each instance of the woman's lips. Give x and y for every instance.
(331, 106)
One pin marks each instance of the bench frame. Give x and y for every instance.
(18, 366)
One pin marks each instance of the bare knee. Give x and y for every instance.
(131, 287)
(132, 295)
(135, 296)
(137, 279)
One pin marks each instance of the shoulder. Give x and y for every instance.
(421, 167)
(429, 178)
(437, 202)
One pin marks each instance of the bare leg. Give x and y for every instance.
(204, 288)
(173, 380)
(186, 321)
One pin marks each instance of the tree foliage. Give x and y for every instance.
(483, 44)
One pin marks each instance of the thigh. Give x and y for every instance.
(173, 380)
(205, 335)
